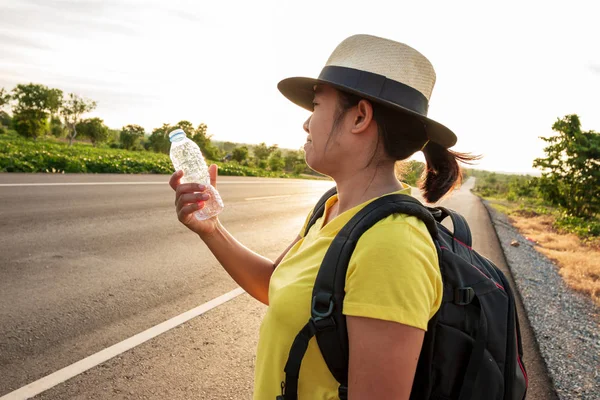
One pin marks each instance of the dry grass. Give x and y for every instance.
(578, 262)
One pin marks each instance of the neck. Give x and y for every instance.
(365, 185)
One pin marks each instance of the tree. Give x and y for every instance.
(292, 158)
(57, 128)
(30, 123)
(239, 154)
(94, 129)
(571, 169)
(262, 152)
(131, 136)
(114, 137)
(4, 97)
(159, 139)
(72, 109)
(276, 162)
(201, 137)
(5, 118)
(228, 147)
(33, 105)
(55, 101)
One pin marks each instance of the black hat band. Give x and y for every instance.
(376, 86)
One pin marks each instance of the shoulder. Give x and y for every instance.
(394, 273)
(398, 246)
(398, 230)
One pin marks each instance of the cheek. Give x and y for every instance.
(318, 122)
(313, 123)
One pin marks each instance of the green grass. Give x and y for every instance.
(519, 194)
(47, 155)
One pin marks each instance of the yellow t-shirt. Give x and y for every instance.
(393, 275)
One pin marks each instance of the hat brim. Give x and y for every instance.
(299, 90)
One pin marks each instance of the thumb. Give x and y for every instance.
(213, 172)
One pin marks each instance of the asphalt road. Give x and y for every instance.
(85, 265)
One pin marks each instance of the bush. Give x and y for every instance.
(580, 226)
(57, 129)
(5, 119)
(30, 123)
(276, 161)
(299, 169)
(55, 157)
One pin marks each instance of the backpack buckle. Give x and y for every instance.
(322, 319)
(463, 296)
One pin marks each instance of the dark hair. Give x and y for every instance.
(402, 136)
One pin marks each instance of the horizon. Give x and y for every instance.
(505, 73)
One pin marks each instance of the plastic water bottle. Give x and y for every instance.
(187, 157)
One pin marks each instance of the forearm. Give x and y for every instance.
(250, 270)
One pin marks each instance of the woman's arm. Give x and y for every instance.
(250, 270)
(383, 358)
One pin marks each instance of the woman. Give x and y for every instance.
(369, 110)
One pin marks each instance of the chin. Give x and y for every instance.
(315, 165)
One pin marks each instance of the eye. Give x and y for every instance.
(315, 104)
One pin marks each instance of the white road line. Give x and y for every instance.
(60, 376)
(81, 184)
(268, 197)
(166, 183)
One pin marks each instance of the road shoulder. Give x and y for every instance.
(209, 357)
(564, 324)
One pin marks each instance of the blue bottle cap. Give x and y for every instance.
(176, 134)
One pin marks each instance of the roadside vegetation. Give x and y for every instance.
(559, 211)
(43, 130)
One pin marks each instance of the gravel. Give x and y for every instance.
(566, 323)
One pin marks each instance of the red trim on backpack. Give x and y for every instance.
(480, 271)
(519, 360)
(468, 247)
(524, 373)
(484, 274)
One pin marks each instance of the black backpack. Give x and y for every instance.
(472, 348)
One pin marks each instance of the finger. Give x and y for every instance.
(175, 179)
(213, 171)
(185, 212)
(189, 198)
(189, 188)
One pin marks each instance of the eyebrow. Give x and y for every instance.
(317, 89)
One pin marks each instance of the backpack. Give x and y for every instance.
(472, 348)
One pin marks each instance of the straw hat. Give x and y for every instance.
(381, 70)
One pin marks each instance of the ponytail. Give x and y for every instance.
(402, 136)
(442, 172)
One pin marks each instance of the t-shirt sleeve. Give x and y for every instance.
(394, 275)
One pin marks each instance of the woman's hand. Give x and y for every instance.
(189, 198)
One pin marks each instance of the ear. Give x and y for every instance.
(363, 116)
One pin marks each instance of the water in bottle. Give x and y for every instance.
(187, 157)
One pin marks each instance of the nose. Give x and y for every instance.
(305, 126)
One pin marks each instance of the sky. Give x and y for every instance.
(505, 70)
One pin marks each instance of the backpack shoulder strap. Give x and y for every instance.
(327, 321)
(319, 208)
(461, 230)
(331, 279)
